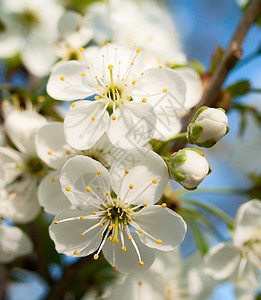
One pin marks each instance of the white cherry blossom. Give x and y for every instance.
(239, 260)
(128, 97)
(116, 212)
(22, 169)
(52, 148)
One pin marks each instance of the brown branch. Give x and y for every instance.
(231, 56)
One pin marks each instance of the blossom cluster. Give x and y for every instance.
(99, 160)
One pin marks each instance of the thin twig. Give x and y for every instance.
(231, 56)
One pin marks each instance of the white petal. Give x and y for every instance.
(67, 235)
(85, 123)
(50, 194)
(20, 204)
(168, 125)
(152, 84)
(13, 243)
(194, 86)
(9, 160)
(222, 260)
(128, 261)
(247, 221)
(74, 86)
(79, 173)
(21, 126)
(161, 224)
(51, 145)
(144, 166)
(134, 125)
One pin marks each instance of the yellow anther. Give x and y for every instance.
(114, 118)
(169, 291)
(62, 78)
(108, 43)
(96, 97)
(144, 204)
(122, 79)
(118, 211)
(160, 66)
(56, 222)
(130, 219)
(113, 225)
(101, 224)
(129, 238)
(239, 278)
(52, 179)
(116, 205)
(104, 94)
(140, 231)
(94, 212)
(142, 74)
(110, 238)
(96, 77)
(49, 153)
(164, 205)
(244, 255)
(68, 189)
(125, 224)
(114, 267)
(164, 91)
(132, 64)
(75, 252)
(101, 235)
(159, 241)
(125, 84)
(82, 234)
(83, 74)
(108, 214)
(127, 171)
(107, 193)
(120, 217)
(128, 210)
(99, 172)
(99, 84)
(134, 81)
(110, 67)
(73, 104)
(139, 283)
(95, 256)
(110, 227)
(81, 49)
(144, 100)
(154, 181)
(123, 249)
(93, 118)
(68, 152)
(88, 68)
(81, 217)
(141, 262)
(138, 50)
(121, 229)
(131, 186)
(88, 189)
(40, 99)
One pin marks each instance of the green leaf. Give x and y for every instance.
(199, 238)
(216, 59)
(239, 88)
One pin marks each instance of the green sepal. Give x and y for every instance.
(207, 144)
(239, 88)
(222, 109)
(227, 131)
(197, 66)
(175, 174)
(194, 131)
(179, 157)
(209, 170)
(199, 111)
(189, 189)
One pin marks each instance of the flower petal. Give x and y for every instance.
(128, 261)
(166, 228)
(21, 127)
(164, 89)
(50, 195)
(193, 84)
(13, 242)
(66, 82)
(85, 123)
(168, 125)
(222, 260)
(147, 173)
(79, 173)
(134, 125)
(51, 145)
(67, 235)
(247, 222)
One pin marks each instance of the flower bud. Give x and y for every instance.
(207, 127)
(189, 167)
